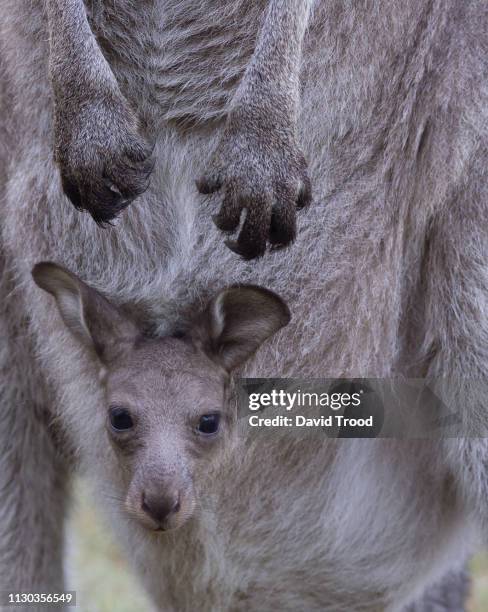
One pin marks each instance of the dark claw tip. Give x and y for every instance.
(218, 223)
(279, 246)
(281, 241)
(224, 226)
(247, 255)
(112, 187)
(233, 246)
(304, 200)
(206, 186)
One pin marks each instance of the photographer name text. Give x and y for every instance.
(298, 401)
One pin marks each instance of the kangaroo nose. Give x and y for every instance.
(160, 507)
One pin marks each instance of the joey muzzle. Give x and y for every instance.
(161, 507)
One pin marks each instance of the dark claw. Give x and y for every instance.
(112, 187)
(107, 206)
(229, 215)
(224, 225)
(245, 253)
(233, 246)
(251, 242)
(104, 215)
(71, 190)
(206, 185)
(283, 229)
(130, 181)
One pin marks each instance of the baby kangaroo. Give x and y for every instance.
(166, 399)
(156, 432)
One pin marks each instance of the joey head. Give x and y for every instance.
(166, 399)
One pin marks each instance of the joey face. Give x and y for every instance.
(166, 411)
(167, 418)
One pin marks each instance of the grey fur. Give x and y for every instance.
(450, 594)
(387, 275)
(105, 165)
(258, 162)
(103, 161)
(162, 455)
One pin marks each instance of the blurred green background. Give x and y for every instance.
(97, 571)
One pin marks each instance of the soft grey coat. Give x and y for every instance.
(388, 273)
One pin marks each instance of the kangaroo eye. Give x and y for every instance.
(120, 419)
(209, 424)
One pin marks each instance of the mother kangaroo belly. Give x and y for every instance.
(179, 61)
(173, 62)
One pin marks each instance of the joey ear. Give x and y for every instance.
(89, 316)
(237, 321)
